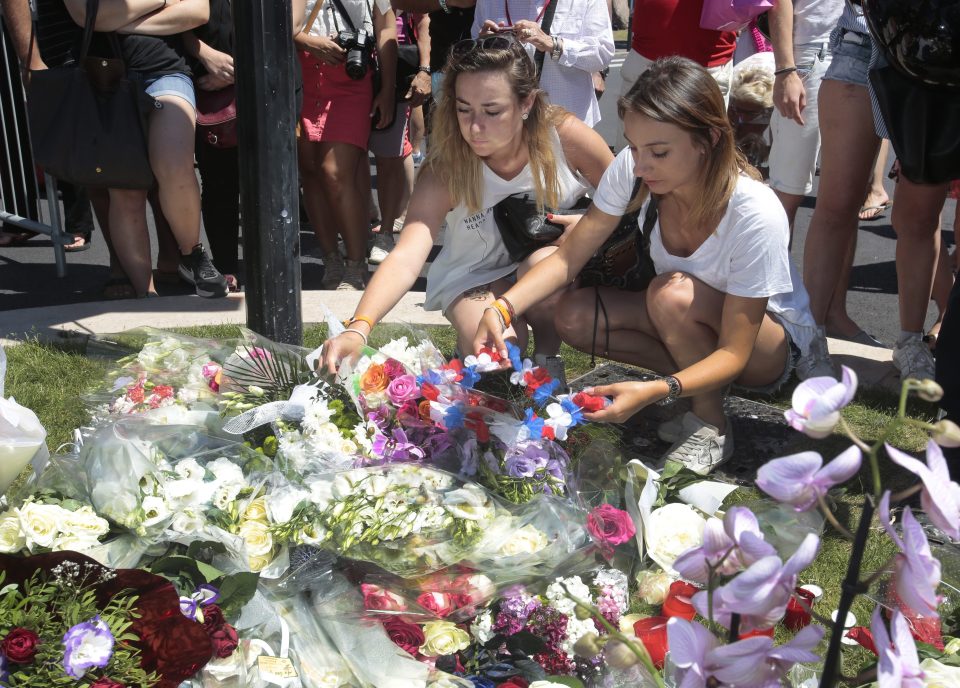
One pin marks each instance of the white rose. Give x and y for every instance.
(40, 523)
(84, 523)
(653, 586)
(937, 675)
(187, 522)
(74, 543)
(226, 472)
(155, 510)
(671, 530)
(282, 502)
(11, 536)
(257, 538)
(526, 540)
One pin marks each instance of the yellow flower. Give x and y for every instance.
(525, 540)
(256, 510)
(256, 538)
(259, 563)
(443, 638)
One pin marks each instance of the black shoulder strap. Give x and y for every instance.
(545, 27)
(345, 14)
(650, 217)
(93, 7)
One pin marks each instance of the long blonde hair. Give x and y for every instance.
(450, 157)
(678, 91)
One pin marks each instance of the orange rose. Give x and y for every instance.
(374, 379)
(425, 409)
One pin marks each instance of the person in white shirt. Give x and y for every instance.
(726, 305)
(579, 42)
(493, 135)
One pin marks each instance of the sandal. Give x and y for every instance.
(873, 212)
(117, 288)
(77, 246)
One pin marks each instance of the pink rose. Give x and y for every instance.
(440, 603)
(394, 368)
(610, 525)
(474, 588)
(403, 388)
(380, 599)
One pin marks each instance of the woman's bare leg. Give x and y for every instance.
(131, 242)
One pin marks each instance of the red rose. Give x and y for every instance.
(440, 603)
(107, 683)
(588, 402)
(394, 368)
(212, 617)
(135, 394)
(20, 645)
(610, 525)
(377, 598)
(515, 682)
(224, 641)
(678, 601)
(407, 636)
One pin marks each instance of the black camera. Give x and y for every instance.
(359, 47)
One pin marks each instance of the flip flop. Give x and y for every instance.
(85, 237)
(875, 212)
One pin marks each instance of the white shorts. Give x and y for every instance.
(793, 155)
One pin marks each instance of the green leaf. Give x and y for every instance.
(571, 681)
(236, 590)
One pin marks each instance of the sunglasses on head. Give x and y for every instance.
(497, 42)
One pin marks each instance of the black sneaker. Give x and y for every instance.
(198, 270)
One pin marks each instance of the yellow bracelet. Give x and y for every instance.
(503, 312)
(359, 318)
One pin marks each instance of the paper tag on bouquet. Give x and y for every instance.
(276, 669)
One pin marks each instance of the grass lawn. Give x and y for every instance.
(50, 381)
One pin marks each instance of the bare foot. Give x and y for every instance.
(874, 205)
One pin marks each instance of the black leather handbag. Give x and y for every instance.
(624, 259)
(88, 121)
(523, 228)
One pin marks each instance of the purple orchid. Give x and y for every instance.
(817, 403)
(940, 497)
(702, 661)
(899, 666)
(728, 546)
(761, 593)
(397, 447)
(916, 573)
(87, 645)
(801, 479)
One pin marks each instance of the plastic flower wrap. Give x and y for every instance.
(172, 377)
(48, 523)
(22, 440)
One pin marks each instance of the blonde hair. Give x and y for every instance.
(678, 91)
(450, 157)
(752, 88)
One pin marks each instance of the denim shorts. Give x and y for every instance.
(851, 57)
(179, 85)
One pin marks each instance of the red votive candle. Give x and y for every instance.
(678, 601)
(798, 609)
(753, 634)
(652, 632)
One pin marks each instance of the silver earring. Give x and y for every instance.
(524, 116)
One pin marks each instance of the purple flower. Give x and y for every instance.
(403, 388)
(471, 457)
(899, 666)
(555, 468)
(87, 645)
(940, 497)
(396, 447)
(728, 546)
(799, 480)
(380, 417)
(702, 661)
(514, 612)
(817, 403)
(520, 466)
(916, 573)
(761, 593)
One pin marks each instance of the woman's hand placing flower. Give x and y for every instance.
(346, 345)
(628, 399)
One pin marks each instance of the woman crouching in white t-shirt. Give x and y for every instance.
(726, 305)
(493, 135)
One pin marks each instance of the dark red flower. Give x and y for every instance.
(407, 636)
(107, 683)
(515, 682)
(225, 640)
(20, 645)
(212, 617)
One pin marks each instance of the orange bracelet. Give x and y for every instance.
(503, 312)
(359, 318)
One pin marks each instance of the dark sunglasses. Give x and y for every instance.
(496, 42)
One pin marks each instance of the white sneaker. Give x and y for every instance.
(817, 362)
(671, 430)
(382, 245)
(354, 276)
(701, 448)
(332, 270)
(913, 359)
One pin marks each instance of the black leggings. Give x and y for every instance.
(220, 203)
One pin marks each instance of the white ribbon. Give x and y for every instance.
(293, 409)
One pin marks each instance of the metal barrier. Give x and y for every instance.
(19, 192)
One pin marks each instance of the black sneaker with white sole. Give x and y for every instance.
(197, 269)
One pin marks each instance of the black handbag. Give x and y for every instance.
(88, 121)
(522, 227)
(624, 259)
(921, 122)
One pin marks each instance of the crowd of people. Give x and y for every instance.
(503, 97)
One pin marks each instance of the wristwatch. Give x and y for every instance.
(424, 69)
(673, 392)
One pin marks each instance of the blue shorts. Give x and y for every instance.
(851, 57)
(179, 85)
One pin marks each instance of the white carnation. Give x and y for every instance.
(155, 510)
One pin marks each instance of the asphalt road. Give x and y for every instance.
(28, 277)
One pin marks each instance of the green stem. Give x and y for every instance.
(833, 519)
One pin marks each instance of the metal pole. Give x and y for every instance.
(269, 199)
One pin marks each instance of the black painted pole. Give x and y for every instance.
(269, 198)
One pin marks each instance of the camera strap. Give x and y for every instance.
(551, 9)
(346, 15)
